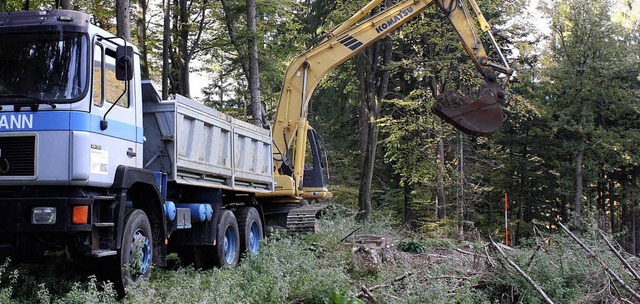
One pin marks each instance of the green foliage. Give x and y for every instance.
(285, 270)
(412, 245)
(8, 280)
(54, 282)
(322, 268)
(337, 298)
(91, 292)
(565, 272)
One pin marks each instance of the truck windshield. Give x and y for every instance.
(42, 67)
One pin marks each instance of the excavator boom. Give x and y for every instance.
(482, 116)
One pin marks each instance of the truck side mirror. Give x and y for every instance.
(124, 63)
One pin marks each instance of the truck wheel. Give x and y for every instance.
(227, 249)
(137, 247)
(250, 231)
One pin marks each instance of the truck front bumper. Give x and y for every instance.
(17, 215)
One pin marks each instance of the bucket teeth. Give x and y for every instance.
(476, 118)
(480, 117)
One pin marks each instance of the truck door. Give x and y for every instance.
(116, 144)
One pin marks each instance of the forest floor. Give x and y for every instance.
(350, 262)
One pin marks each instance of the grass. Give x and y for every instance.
(323, 268)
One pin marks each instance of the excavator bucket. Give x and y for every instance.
(480, 117)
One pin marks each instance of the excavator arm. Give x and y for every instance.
(290, 126)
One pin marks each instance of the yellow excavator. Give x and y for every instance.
(295, 177)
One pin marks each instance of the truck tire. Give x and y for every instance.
(227, 249)
(137, 247)
(250, 226)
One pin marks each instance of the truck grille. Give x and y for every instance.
(17, 156)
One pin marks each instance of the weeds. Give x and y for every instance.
(322, 268)
(412, 245)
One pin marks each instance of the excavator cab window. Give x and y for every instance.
(315, 167)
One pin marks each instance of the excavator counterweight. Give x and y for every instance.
(480, 117)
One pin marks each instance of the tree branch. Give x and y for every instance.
(619, 256)
(366, 292)
(522, 273)
(606, 268)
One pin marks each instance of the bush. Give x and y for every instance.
(320, 268)
(412, 246)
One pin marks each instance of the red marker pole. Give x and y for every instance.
(506, 227)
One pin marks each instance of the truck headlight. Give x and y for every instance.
(43, 215)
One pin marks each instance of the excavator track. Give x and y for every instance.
(305, 218)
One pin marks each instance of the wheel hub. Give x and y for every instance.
(139, 255)
(229, 245)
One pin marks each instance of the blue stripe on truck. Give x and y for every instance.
(67, 121)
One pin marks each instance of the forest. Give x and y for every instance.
(567, 149)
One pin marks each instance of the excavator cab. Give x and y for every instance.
(316, 171)
(480, 117)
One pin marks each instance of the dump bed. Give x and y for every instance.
(197, 145)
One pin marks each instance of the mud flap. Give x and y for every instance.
(480, 117)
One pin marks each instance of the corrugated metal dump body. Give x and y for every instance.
(197, 145)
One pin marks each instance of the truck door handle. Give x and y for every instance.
(131, 153)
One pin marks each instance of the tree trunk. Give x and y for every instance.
(123, 21)
(141, 23)
(490, 213)
(634, 230)
(516, 237)
(66, 4)
(231, 27)
(25, 5)
(461, 202)
(407, 189)
(254, 75)
(3, 5)
(579, 173)
(563, 209)
(187, 46)
(612, 206)
(165, 49)
(600, 200)
(623, 222)
(441, 210)
(363, 121)
(245, 49)
(375, 102)
(183, 48)
(366, 175)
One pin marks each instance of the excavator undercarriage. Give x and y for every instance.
(292, 217)
(304, 219)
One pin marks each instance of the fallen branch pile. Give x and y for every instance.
(606, 268)
(365, 292)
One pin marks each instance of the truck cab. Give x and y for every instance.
(57, 83)
(71, 136)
